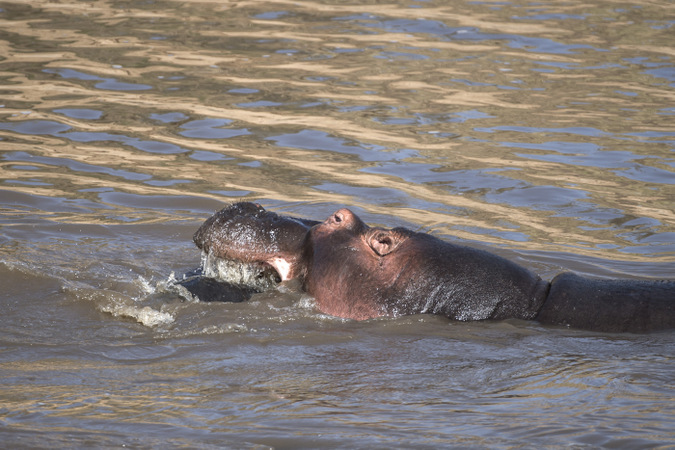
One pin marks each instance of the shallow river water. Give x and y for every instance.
(541, 130)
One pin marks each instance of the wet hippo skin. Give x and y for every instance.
(361, 272)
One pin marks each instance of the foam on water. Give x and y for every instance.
(144, 315)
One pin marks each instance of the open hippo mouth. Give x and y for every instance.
(258, 276)
(246, 245)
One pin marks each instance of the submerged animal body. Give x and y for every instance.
(360, 272)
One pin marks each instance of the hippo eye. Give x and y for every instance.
(337, 218)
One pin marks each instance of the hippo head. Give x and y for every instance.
(360, 272)
(247, 235)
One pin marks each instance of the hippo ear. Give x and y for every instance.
(384, 242)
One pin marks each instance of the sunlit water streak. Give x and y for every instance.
(544, 130)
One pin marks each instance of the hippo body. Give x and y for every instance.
(360, 272)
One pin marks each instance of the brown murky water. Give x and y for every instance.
(544, 130)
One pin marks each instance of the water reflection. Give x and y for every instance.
(442, 98)
(105, 83)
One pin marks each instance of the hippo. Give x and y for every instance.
(359, 272)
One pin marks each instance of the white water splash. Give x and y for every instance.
(121, 305)
(144, 315)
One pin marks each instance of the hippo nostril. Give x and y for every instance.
(337, 218)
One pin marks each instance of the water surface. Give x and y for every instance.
(540, 130)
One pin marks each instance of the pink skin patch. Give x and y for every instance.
(283, 268)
